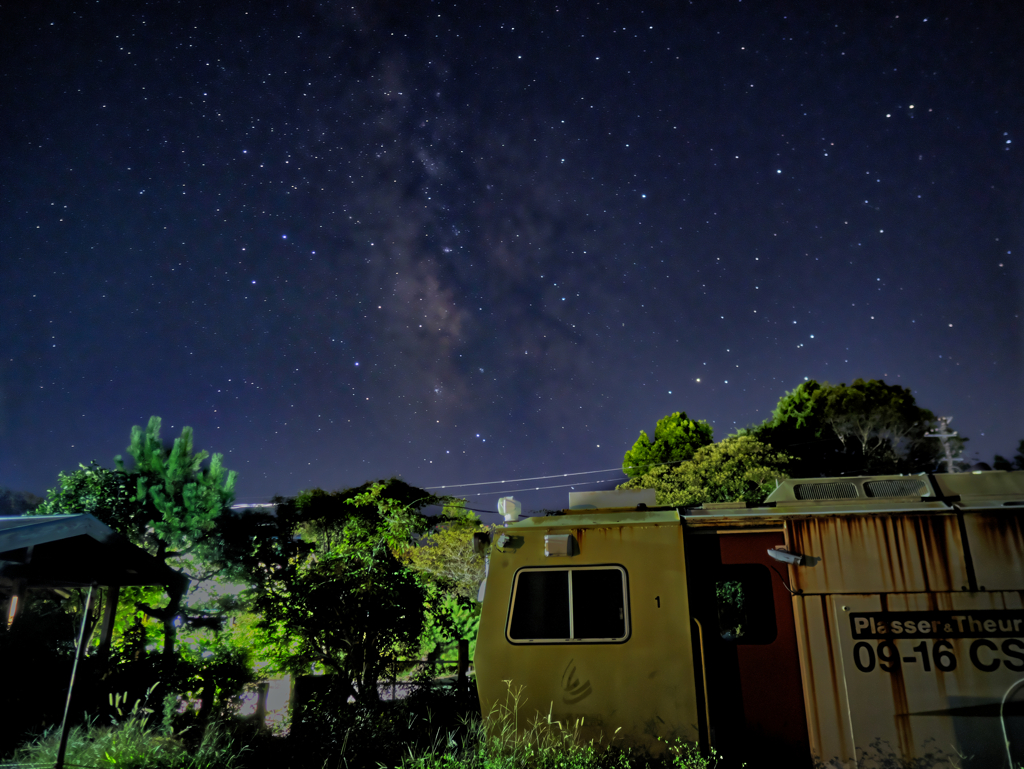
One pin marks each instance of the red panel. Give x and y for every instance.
(773, 702)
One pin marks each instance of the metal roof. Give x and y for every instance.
(74, 551)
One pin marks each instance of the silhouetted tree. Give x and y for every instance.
(865, 428)
(1015, 463)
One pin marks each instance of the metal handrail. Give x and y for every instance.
(704, 678)
(1002, 720)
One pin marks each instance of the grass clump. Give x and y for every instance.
(132, 741)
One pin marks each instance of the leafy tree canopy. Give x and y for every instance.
(446, 553)
(167, 502)
(330, 584)
(676, 438)
(738, 468)
(865, 428)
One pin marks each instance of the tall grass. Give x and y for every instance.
(133, 742)
(503, 741)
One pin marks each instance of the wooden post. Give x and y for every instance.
(261, 704)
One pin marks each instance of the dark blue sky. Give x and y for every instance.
(460, 243)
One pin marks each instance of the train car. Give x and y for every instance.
(844, 622)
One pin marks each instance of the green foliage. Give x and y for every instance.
(330, 584)
(445, 558)
(732, 613)
(1016, 463)
(676, 438)
(448, 619)
(739, 468)
(686, 755)
(865, 428)
(180, 499)
(446, 553)
(108, 495)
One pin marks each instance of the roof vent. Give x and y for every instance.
(835, 490)
(910, 487)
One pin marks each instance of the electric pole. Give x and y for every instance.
(944, 435)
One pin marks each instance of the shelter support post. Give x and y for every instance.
(109, 615)
(65, 725)
(462, 668)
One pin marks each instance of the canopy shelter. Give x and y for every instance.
(61, 551)
(73, 551)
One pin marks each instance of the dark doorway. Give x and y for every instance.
(754, 698)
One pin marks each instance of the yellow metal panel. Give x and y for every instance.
(877, 553)
(968, 486)
(645, 686)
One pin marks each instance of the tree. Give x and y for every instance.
(167, 502)
(453, 569)
(330, 583)
(865, 428)
(738, 468)
(1016, 463)
(676, 438)
(447, 555)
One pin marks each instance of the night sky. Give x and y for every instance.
(459, 243)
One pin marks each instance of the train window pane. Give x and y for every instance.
(581, 605)
(540, 609)
(598, 604)
(746, 605)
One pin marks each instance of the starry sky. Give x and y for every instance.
(462, 243)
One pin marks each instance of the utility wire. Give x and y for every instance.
(523, 480)
(541, 488)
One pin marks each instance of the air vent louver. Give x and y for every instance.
(825, 491)
(910, 487)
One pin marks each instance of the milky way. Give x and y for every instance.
(460, 243)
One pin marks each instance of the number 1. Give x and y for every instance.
(922, 649)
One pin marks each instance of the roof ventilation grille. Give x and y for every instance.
(837, 490)
(910, 487)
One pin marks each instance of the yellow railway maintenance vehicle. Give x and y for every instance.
(844, 621)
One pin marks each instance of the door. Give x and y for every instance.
(747, 640)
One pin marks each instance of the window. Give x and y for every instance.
(746, 606)
(579, 605)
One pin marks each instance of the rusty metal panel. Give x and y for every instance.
(925, 674)
(827, 705)
(877, 553)
(997, 548)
